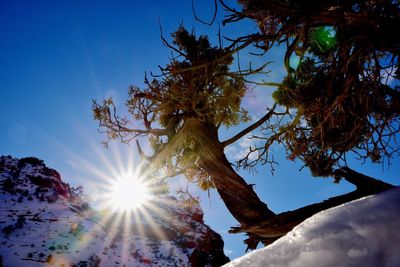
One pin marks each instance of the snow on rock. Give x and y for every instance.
(365, 232)
(44, 222)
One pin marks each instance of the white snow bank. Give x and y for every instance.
(365, 232)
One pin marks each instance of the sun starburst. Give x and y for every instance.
(128, 192)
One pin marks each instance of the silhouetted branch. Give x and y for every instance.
(250, 128)
(272, 229)
(213, 17)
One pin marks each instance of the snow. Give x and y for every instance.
(41, 227)
(364, 233)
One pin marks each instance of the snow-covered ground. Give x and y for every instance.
(44, 223)
(362, 233)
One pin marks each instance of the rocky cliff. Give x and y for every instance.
(45, 222)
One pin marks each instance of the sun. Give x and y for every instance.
(128, 193)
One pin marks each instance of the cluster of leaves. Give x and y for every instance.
(345, 90)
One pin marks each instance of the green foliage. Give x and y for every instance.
(284, 95)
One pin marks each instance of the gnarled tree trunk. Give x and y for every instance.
(256, 219)
(238, 196)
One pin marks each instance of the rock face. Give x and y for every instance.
(43, 221)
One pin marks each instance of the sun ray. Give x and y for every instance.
(118, 186)
(126, 234)
(110, 166)
(100, 226)
(112, 230)
(137, 226)
(100, 169)
(120, 166)
(128, 192)
(152, 224)
(155, 206)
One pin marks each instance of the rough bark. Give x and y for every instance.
(238, 196)
(254, 216)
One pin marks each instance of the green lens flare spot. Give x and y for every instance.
(323, 38)
(294, 61)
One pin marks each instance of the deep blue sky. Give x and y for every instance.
(55, 56)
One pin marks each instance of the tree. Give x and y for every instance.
(195, 95)
(344, 90)
(340, 101)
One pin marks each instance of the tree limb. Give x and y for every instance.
(272, 229)
(250, 128)
(361, 181)
(202, 21)
(142, 155)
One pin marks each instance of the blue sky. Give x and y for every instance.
(55, 56)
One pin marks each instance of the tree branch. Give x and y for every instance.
(272, 229)
(202, 21)
(250, 128)
(361, 181)
(142, 155)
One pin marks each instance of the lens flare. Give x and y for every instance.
(128, 193)
(324, 38)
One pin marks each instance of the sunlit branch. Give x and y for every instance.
(167, 44)
(142, 155)
(115, 126)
